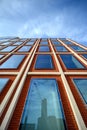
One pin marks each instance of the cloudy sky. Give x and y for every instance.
(44, 18)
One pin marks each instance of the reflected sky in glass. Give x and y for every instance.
(61, 48)
(43, 108)
(44, 43)
(81, 84)
(24, 48)
(6, 43)
(71, 62)
(1, 56)
(3, 82)
(44, 62)
(44, 48)
(85, 55)
(77, 48)
(8, 49)
(56, 43)
(30, 43)
(18, 43)
(12, 62)
(68, 42)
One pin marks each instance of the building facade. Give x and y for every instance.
(43, 84)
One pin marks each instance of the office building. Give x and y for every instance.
(43, 84)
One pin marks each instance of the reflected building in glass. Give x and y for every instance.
(43, 84)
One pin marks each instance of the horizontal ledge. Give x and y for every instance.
(75, 73)
(43, 73)
(9, 73)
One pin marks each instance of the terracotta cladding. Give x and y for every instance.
(78, 98)
(14, 121)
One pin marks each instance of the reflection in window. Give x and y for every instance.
(18, 43)
(85, 55)
(8, 49)
(62, 38)
(12, 62)
(24, 48)
(53, 39)
(43, 108)
(44, 48)
(81, 84)
(1, 56)
(61, 48)
(56, 42)
(67, 42)
(77, 48)
(5, 43)
(44, 43)
(3, 82)
(71, 62)
(30, 43)
(33, 39)
(44, 62)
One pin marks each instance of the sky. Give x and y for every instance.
(44, 18)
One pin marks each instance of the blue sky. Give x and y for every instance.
(44, 18)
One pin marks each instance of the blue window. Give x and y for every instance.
(56, 43)
(30, 43)
(18, 43)
(61, 48)
(8, 49)
(24, 48)
(68, 42)
(81, 85)
(1, 56)
(44, 48)
(44, 62)
(44, 42)
(3, 82)
(43, 109)
(85, 55)
(62, 38)
(71, 62)
(44, 39)
(33, 39)
(53, 39)
(12, 62)
(6, 43)
(77, 48)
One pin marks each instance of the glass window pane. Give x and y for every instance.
(30, 43)
(62, 38)
(44, 62)
(61, 48)
(5, 43)
(77, 48)
(81, 84)
(53, 39)
(85, 55)
(68, 42)
(33, 39)
(8, 49)
(44, 43)
(3, 82)
(71, 62)
(12, 62)
(43, 108)
(1, 56)
(44, 48)
(24, 48)
(18, 43)
(56, 42)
